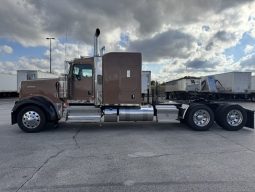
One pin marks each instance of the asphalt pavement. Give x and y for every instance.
(125, 157)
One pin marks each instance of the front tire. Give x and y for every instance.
(200, 117)
(31, 119)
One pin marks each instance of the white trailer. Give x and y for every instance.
(179, 88)
(183, 84)
(8, 84)
(253, 83)
(146, 81)
(234, 82)
(224, 86)
(24, 75)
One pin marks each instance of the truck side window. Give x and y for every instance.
(87, 72)
(83, 70)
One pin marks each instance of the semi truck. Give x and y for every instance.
(107, 88)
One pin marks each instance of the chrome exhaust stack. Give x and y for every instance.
(97, 33)
(97, 71)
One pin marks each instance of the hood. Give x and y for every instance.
(39, 87)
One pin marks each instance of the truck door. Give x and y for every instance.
(82, 89)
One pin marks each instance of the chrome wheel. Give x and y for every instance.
(201, 118)
(31, 119)
(234, 117)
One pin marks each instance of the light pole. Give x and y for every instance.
(50, 38)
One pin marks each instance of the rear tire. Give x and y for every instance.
(218, 114)
(200, 117)
(31, 119)
(232, 117)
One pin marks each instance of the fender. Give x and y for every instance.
(38, 101)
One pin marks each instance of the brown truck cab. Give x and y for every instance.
(107, 88)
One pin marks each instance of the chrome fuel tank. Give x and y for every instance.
(144, 113)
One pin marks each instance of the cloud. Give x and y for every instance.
(172, 43)
(30, 21)
(20, 22)
(60, 53)
(171, 33)
(5, 49)
(248, 49)
(224, 36)
(198, 64)
(248, 62)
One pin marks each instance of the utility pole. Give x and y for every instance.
(50, 38)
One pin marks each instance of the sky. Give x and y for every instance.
(177, 38)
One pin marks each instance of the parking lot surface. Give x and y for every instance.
(125, 157)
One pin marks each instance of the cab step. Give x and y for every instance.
(83, 114)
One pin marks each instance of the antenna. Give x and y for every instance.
(65, 43)
(78, 47)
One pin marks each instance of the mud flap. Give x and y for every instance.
(250, 119)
